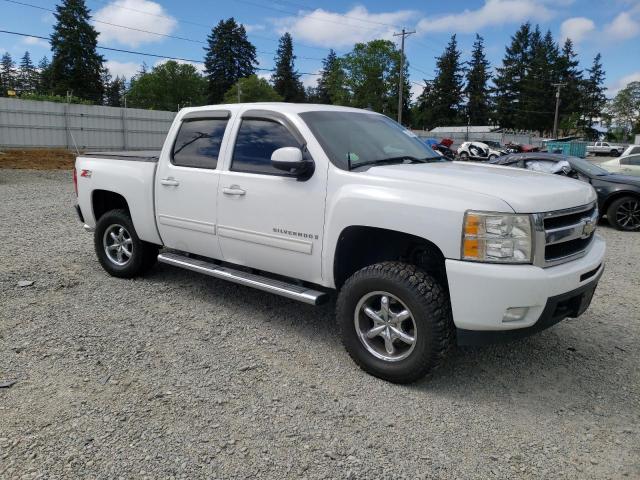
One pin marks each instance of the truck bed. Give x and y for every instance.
(131, 155)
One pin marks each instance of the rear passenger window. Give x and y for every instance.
(198, 143)
(257, 140)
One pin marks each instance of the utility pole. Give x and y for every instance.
(403, 34)
(555, 119)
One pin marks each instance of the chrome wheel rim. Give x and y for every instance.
(385, 326)
(117, 244)
(628, 214)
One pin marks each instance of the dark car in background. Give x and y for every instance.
(618, 195)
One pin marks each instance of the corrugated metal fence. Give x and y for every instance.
(35, 124)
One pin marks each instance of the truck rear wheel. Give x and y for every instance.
(120, 252)
(395, 321)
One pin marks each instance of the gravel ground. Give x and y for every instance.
(182, 376)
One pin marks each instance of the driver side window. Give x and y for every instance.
(257, 139)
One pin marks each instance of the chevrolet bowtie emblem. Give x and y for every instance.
(588, 228)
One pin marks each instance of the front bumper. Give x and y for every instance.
(481, 294)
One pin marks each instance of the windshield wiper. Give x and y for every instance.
(398, 159)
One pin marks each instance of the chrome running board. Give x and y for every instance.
(289, 290)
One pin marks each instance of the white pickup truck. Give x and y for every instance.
(605, 148)
(306, 200)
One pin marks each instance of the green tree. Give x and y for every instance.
(446, 94)
(624, 108)
(167, 86)
(594, 98)
(115, 92)
(570, 74)
(252, 89)
(372, 71)
(44, 76)
(8, 74)
(331, 89)
(538, 94)
(229, 57)
(477, 89)
(286, 79)
(510, 78)
(27, 80)
(76, 66)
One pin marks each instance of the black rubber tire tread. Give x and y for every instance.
(613, 208)
(427, 300)
(144, 254)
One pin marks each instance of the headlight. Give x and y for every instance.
(497, 237)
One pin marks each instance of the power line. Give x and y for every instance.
(134, 52)
(145, 31)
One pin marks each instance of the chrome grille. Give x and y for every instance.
(564, 235)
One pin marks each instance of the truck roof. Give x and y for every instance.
(282, 107)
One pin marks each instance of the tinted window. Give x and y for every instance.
(198, 143)
(353, 138)
(257, 140)
(631, 160)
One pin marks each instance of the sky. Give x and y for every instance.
(178, 28)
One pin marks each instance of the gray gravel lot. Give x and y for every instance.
(182, 376)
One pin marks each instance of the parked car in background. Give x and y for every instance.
(478, 151)
(618, 195)
(605, 148)
(627, 164)
(520, 148)
(631, 150)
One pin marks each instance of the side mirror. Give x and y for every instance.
(290, 160)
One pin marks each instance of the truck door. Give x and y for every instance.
(187, 184)
(267, 220)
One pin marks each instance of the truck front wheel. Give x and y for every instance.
(395, 321)
(120, 252)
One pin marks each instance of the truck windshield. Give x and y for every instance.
(353, 139)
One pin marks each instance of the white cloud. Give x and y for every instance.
(136, 14)
(623, 27)
(253, 28)
(330, 29)
(36, 42)
(310, 80)
(120, 69)
(577, 28)
(492, 13)
(622, 82)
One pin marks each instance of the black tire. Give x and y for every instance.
(464, 156)
(424, 298)
(614, 153)
(492, 157)
(618, 214)
(143, 254)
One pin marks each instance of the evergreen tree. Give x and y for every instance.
(115, 91)
(44, 77)
(421, 111)
(331, 88)
(510, 78)
(8, 74)
(594, 98)
(538, 94)
(76, 66)
(446, 95)
(477, 90)
(27, 76)
(571, 76)
(229, 57)
(286, 80)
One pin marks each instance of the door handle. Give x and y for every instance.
(171, 182)
(233, 190)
